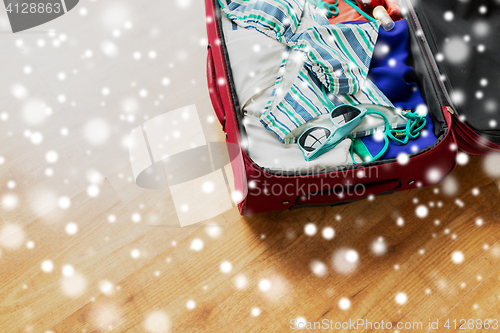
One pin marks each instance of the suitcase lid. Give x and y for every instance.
(464, 39)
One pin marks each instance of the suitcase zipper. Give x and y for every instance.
(419, 31)
(463, 138)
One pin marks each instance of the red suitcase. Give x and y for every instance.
(265, 191)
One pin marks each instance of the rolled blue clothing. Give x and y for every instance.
(389, 68)
(390, 71)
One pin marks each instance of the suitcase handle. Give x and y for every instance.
(213, 89)
(347, 194)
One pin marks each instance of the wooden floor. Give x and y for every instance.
(83, 249)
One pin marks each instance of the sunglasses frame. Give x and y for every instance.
(337, 135)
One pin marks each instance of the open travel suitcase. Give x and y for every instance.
(460, 99)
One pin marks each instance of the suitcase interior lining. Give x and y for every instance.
(425, 78)
(464, 75)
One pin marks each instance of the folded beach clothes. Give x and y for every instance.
(255, 59)
(324, 65)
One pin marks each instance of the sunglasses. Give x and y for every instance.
(317, 140)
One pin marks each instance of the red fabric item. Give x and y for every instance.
(348, 14)
(393, 9)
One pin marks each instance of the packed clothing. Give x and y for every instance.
(293, 64)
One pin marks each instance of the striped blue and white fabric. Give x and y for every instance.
(336, 60)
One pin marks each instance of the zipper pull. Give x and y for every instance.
(450, 110)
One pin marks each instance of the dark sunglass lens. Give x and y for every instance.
(344, 114)
(313, 138)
